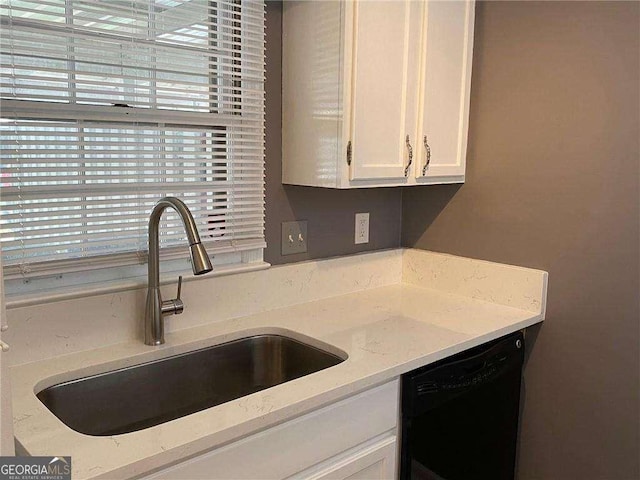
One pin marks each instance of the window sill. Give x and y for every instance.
(132, 283)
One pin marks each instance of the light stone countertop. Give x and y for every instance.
(385, 331)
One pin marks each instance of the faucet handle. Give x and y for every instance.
(174, 306)
(177, 302)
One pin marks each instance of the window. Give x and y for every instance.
(109, 105)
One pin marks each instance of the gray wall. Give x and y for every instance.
(330, 213)
(552, 183)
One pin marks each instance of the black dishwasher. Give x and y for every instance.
(460, 415)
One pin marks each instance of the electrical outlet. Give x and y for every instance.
(362, 228)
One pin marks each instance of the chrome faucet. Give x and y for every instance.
(156, 307)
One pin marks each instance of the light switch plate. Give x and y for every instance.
(294, 237)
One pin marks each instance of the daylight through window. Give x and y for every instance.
(108, 106)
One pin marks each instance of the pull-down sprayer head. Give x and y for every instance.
(199, 259)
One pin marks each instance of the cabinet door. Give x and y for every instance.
(299, 444)
(376, 461)
(382, 101)
(446, 80)
(311, 93)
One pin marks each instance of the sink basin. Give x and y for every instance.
(152, 393)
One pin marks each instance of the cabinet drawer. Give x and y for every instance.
(375, 460)
(296, 445)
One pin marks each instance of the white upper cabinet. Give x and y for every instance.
(381, 109)
(445, 85)
(365, 82)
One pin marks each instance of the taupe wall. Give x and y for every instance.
(552, 183)
(330, 213)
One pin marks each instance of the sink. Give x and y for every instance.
(141, 396)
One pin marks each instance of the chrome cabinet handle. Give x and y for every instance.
(406, 169)
(427, 161)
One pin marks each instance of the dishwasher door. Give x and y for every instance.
(460, 415)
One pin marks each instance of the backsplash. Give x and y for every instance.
(43, 331)
(516, 287)
(38, 332)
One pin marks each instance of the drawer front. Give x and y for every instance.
(375, 460)
(296, 445)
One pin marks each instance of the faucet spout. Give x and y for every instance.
(199, 259)
(156, 308)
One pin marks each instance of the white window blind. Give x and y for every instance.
(109, 105)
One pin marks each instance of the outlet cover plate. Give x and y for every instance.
(362, 228)
(294, 237)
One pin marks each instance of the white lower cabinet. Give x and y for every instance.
(354, 438)
(375, 460)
